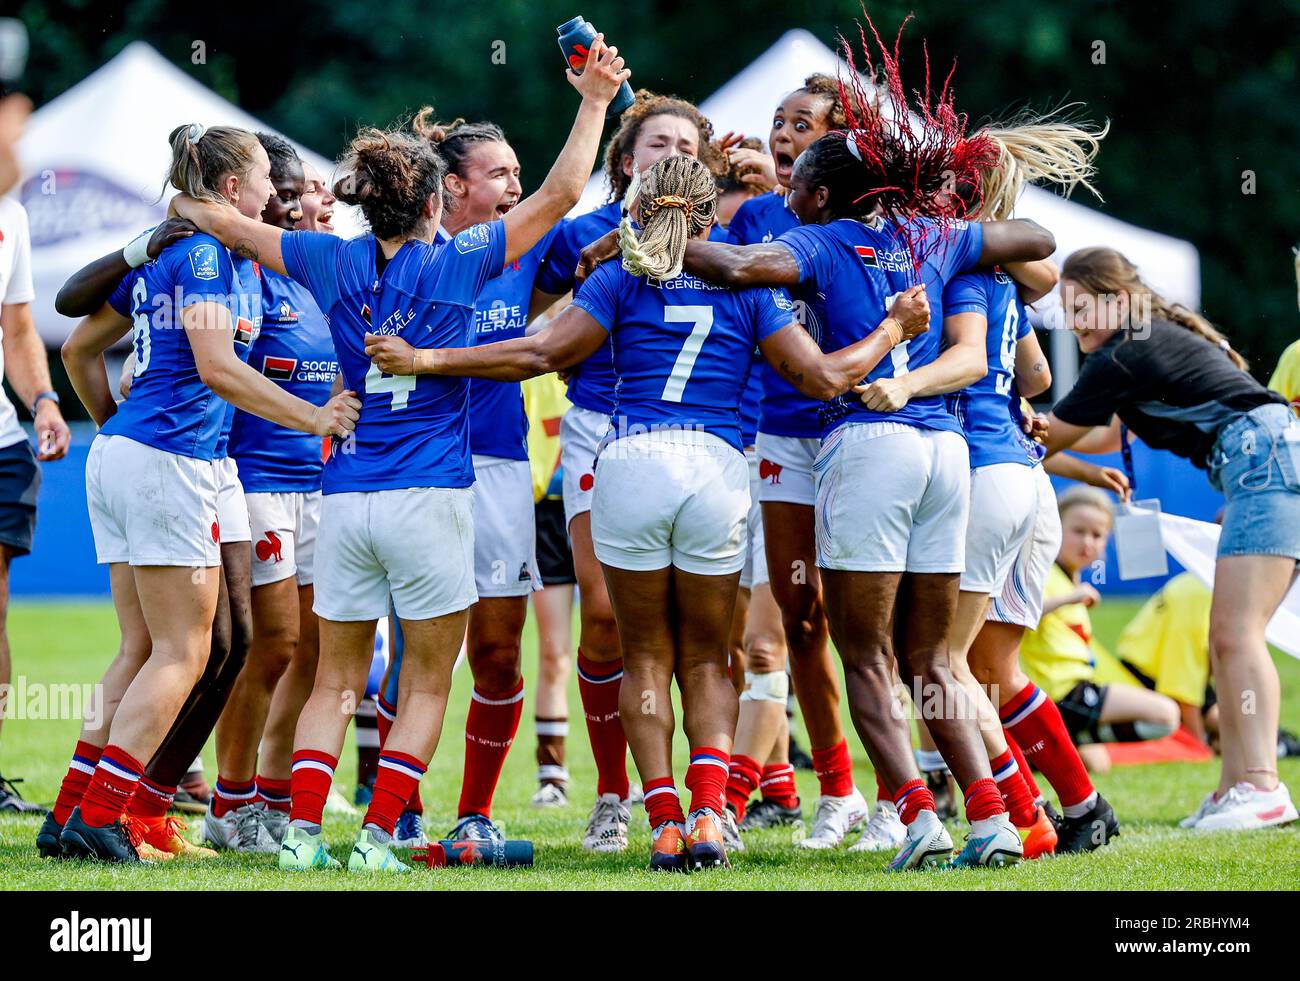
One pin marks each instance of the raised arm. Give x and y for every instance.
(793, 353)
(1015, 240)
(83, 357)
(208, 327)
(89, 287)
(537, 214)
(246, 237)
(572, 337)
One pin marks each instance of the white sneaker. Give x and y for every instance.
(336, 803)
(550, 795)
(240, 830)
(834, 818)
(992, 841)
(1247, 808)
(276, 823)
(730, 832)
(884, 831)
(1192, 819)
(607, 829)
(926, 843)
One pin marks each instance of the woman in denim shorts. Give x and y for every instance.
(1171, 378)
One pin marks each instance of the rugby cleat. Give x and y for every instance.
(834, 818)
(705, 845)
(1040, 838)
(409, 832)
(240, 830)
(47, 839)
(12, 802)
(550, 795)
(370, 854)
(884, 831)
(992, 842)
(731, 833)
(607, 828)
(668, 848)
(475, 827)
(1245, 807)
(1089, 832)
(927, 844)
(167, 835)
(301, 850)
(276, 823)
(111, 843)
(770, 814)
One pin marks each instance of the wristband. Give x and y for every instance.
(136, 252)
(43, 396)
(894, 329)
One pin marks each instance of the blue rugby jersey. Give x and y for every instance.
(295, 350)
(170, 408)
(683, 348)
(414, 429)
(852, 272)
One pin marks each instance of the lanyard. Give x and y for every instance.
(1127, 452)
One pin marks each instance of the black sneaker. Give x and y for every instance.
(11, 802)
(940, 786)
(107, 844)
(770, 814)
(47, 839)
(1089, 832)
(799, 758)
(1287, 744)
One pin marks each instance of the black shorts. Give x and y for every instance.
(554, 556)
(1081, 711)
(20, 481)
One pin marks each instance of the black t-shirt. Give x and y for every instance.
(1171, 386)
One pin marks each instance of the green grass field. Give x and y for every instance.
(70, 643)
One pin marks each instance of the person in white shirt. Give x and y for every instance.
(23, 361)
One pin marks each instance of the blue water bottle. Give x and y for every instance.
(575, 41)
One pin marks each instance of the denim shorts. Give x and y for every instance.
(1256, 463)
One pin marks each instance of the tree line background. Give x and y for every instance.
(1202, 94)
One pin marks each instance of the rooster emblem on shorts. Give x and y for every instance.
(268, 550)
(767, 470)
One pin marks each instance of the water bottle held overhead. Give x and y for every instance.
(575, 37)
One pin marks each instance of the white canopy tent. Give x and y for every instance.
(94, 160)
(745, 105)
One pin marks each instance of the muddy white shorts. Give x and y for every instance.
(1003, 506)
(1021, 599)
(581, 431)
(285, 526)
(754, 572)
(151, 507)
(892, 498)
(785, 468)
(677, 498)
(416, 544)
(505, 523)
(232, 509)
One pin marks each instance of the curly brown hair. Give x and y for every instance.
(646, 105)
(389, 174)
(828, 87)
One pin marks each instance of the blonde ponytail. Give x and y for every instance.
(201, 157)
(676, 200)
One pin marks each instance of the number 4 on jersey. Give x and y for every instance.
(401, 386)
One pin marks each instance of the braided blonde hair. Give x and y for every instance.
(676, 200)
(1050, 148)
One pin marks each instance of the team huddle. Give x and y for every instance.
(798, 383)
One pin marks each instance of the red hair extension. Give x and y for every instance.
(916, 163)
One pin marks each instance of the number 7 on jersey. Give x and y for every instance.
(702, 318)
